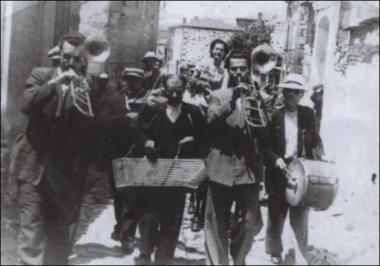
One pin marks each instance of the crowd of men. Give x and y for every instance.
(151, 114)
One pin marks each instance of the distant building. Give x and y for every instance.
(190, 42)
(163, 44)
(317, 30)
(244, 22)
(299, 27)
(364, 32)
(278, 34)
(132, 29)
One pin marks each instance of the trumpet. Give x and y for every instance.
(97, 52)
(81, 97)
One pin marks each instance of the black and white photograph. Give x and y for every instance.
(190, 133)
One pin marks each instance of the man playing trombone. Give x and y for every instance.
(52, 156)
(232, 168)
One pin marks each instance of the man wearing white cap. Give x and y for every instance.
(152, 74)
(292, 133)
(122, 132)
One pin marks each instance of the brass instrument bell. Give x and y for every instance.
(263, 58)
(97, 52)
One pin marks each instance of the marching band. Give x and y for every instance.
(215, 113)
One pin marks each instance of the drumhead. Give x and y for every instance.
(312, 184)
(296, 189)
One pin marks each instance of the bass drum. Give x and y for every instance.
(312, 184)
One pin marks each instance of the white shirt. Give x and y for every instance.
(198, 100)
(291, 133)
(173, 112)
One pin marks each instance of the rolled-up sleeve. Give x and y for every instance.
(218, 110)
(37, 92)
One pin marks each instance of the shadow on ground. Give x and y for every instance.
(88, 252)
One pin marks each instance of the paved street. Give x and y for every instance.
(339, 230)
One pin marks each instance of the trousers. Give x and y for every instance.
(218, 205)
(278, 208)
(160, 221)
(44, 237)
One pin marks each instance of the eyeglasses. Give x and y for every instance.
(77, 59)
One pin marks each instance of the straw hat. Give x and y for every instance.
(293, 81)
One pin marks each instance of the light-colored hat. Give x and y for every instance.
(293, 81)
(133, 72)
(185, 65)
(103, 75)
(150, 54)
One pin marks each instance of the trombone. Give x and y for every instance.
(264, 59)
(251, 107)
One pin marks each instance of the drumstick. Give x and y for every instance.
(291, 179)
(288, 172)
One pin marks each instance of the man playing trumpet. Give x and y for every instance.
(52, 158)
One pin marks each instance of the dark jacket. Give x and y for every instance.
(122, 136)
(191, 122)
(153, 79)
(59, 149)
(308, 141)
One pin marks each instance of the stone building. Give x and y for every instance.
(130, 26)
(28, 30)
(278, 34)
(317, 30)
(190, 42)
(299, 17)
(341, 51)
(245, 22)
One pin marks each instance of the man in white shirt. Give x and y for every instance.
(291, 133)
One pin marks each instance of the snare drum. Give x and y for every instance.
(312, 183)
